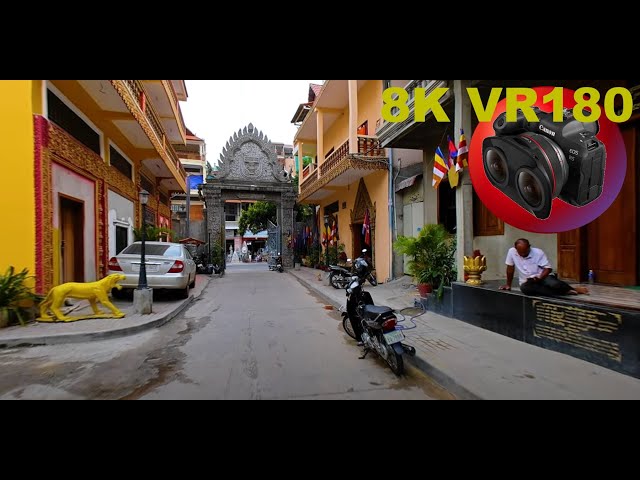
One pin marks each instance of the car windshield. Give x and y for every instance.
(161, 250)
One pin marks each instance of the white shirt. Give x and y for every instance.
(530, 267)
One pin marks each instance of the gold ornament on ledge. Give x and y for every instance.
(474, 267)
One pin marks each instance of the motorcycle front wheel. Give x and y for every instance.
(346, 324)
(334, 282)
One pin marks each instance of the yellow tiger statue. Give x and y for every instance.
(94, 292)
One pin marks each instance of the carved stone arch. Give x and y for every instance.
(249, 170)
(249, 155)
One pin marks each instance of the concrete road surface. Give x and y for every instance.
(253, 334)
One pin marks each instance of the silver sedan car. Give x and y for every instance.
(169, 266)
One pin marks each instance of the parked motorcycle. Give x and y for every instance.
(277, 264)
(375, 326)
(340, 277)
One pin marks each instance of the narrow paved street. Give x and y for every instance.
(253, 334)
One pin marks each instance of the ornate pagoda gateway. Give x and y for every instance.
(249, 170)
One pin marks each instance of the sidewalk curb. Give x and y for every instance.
(96, 336)
(418, 363)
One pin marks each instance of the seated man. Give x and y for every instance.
(534, 273)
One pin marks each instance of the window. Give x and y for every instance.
(485, 223)
(120, 163)
(230, 212)
(122, 238)
(154, 249)
(69, 121)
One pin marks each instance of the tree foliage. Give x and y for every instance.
(257, 216)
(304, 212)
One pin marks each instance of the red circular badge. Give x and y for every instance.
(547, 178)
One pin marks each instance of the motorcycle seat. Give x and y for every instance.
(373, 311)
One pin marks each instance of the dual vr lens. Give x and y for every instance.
(533, 169)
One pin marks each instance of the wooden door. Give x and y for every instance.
(72, 240)
(358, 240)
(612, 238)
(571, 249)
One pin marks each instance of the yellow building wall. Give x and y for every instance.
(369, 109)
(37, 97)
(338, 133)
(376, 184)
(17, 202)
(370, 104)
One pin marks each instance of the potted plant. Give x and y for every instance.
(431, 258)
(15, 297)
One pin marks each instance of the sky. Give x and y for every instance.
(215, 109)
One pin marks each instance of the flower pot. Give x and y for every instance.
(425, 289)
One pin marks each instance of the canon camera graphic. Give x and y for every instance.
(535, 162)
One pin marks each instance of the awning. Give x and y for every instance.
(409, 182)
(191, 241)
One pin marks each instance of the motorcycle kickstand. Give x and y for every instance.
(366, 352)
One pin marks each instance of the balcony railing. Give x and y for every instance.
(335, 158)
(188, 156)
(340, 161)
(175, 105)
(137, 92)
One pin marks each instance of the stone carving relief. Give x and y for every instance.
(249, 155)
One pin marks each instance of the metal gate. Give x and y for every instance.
(274, 240)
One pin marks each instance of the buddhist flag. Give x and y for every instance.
(440, 168)
(366, 228)
(454, 178)
(463, 153)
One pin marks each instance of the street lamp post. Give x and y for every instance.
(326, 247)
(142, 278)
(143, 295)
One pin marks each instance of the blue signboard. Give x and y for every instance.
(194, 181)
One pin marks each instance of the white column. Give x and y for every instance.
(464, 193)
(353, 116)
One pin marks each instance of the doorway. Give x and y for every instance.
(72, 239)
(447, 209)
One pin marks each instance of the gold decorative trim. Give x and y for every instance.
(363, 202)
(121, 184)
(68, 152)
(66, 147)
(347, 163)
(164, 210)
(47, 220)
(159, 143)
(152, 203)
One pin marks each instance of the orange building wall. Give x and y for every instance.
(376, 184)
(197, 212)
